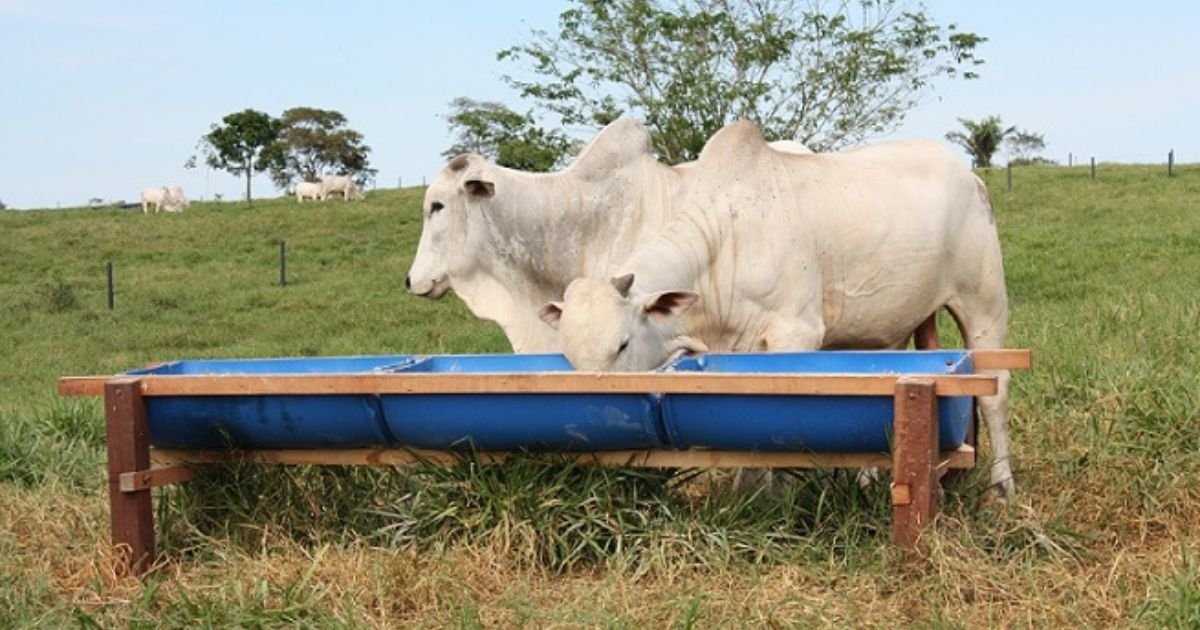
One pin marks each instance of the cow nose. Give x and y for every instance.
(408, 282)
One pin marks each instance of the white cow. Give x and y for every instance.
(308, 190)
(176, 201)
(508, 241)
(779, 252)
(167, 198)
(341, 184)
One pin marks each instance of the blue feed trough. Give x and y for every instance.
(548, 422)
(808, 423)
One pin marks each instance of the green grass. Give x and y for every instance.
(1104, 288)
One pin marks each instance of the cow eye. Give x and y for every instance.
(621, 348)
(435, 206)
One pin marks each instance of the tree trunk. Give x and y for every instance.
(249, 174)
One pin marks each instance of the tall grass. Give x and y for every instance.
(1105, 428)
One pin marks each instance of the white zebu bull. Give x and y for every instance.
(778, 252)
(308, 190)
(341, 184)
(508, 241)
(166, 198)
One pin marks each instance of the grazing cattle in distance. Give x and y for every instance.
(508, 241)
(308, 190)
(166, 198)
(777, 252)
(341, 184)
(176, 201)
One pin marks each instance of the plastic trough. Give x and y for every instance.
(549, 422)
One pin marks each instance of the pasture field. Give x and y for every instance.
(1104, 281)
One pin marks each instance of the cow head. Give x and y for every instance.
(603, 328)
(451, 232)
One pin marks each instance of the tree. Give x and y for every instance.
(825, 77)
(504, 136)
(2, 206)
(981, 139)
(313, 142)
(1022, 145)
(241, 145)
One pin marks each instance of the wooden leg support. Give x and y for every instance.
(915, 461)
(926, 335)
(129, 452)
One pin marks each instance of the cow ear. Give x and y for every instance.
(477, 186)
(622, 284)
(551, 313)
(669, 303)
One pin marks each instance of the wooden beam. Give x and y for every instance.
(128, 444)
(1007, 359)
(914, 472)
(557, 383)
(154, 477)
(82, 385)
(960, 458)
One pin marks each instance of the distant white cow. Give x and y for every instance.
(308, 190)
(175, 201)
(339, 184)
(166, 198)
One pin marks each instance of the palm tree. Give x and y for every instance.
(981, 139)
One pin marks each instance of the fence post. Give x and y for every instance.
(1009, 169)
(1093, 167)
(109, 268)
(1171, 163)
(282, 263)
(1070, 159)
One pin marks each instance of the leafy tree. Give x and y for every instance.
(241, 145)
(824, 76)
(504, 136)
(2, 206)
(981, 139)
(315, 141)
(1022, 146)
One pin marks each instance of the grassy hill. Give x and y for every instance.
(1104, 280)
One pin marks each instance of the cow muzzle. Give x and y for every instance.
(432, 290)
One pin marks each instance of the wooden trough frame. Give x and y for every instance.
(134, 468)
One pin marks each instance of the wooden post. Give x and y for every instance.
(1171, 163)
(129, 451)
(927, 334)
(283, 263)
(109, 268)
(1093, 167)
(1009, 177)
(914, 467)
(1070, 159)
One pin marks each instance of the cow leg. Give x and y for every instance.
(983, 324)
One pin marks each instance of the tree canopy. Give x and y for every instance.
(981, 139)
(826, 76)
(504, 136)
(312, 142)
(239, 145)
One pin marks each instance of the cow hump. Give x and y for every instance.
(620, 143)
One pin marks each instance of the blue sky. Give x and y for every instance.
(103, 99)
